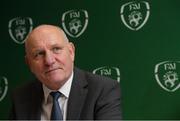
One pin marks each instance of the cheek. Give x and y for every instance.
(67, 59)
(36, 67)
(61, 58)
(72, 58)
(64, 61)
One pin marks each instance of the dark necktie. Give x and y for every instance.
(56, 113)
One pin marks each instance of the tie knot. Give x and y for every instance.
(55, 95)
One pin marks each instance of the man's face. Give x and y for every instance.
(50, 57)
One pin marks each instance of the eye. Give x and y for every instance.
(56, 49)
(39, 54)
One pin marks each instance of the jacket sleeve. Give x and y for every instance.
(109, 102)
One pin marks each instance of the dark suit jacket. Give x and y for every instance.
(92, 97)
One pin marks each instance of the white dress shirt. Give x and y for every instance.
(63, 100)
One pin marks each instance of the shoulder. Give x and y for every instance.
(97, 81)
(26, 90)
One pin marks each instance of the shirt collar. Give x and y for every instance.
(65, 89)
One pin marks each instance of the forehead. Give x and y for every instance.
(45, 37)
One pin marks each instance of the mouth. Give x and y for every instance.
(51, 70)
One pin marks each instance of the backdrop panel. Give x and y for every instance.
(135, 42)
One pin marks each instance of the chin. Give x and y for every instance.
(57, 80)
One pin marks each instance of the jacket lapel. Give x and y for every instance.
(77, 95)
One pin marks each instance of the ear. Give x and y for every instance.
(71, 50)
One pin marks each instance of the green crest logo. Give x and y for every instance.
(167, 75)
(3, 87)
(75, 22)
(19, 28)
(135, 14)
(112, 72)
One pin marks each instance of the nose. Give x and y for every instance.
(49, 59)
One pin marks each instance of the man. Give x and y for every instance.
(84, 96)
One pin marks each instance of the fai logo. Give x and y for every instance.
(74, 22)
(19, 28)
(167, 74)
(135, 14)
(112, 72)
(3, 87)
